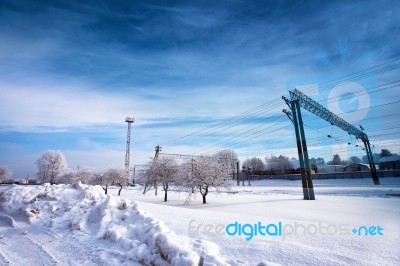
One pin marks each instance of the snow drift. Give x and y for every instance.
(86, 210)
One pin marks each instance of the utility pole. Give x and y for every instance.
(237, 173)
(158, 150)
(249, 170)
(243, 171)
(128, 120)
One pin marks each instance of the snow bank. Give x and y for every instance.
(7, 220)
(86, 210)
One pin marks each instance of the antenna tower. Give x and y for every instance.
(129, 120)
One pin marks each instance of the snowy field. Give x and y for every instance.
(79, 225)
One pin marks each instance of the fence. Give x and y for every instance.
(344, 175)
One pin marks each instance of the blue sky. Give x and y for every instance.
(71, 71)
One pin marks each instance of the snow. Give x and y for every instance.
(79, 225)
(89, 215)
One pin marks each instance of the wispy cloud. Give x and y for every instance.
(77, 69)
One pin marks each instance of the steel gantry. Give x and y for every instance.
(299, 99)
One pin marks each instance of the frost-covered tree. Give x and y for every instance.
(228, 156)
(185, 180)
(5, 173)
(256, 164)
(279, 163)
(209, 172)
(166, 169)
(51, 165)
(86, 175)
(163, 170)
(115, 176)
(103, 179)
(67, 177)
(148, 176)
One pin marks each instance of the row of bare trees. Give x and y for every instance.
(5, 173)
(53, 168)
(193, 175)
(113, 176)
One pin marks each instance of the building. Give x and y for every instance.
(356, 167)
(389, 163)
(330, 169)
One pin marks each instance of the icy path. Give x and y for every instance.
(27, 244)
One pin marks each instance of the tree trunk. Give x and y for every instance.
(119, 191)
(105, 189)
(204, 194)
(166, 193)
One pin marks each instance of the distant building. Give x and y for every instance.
(389, 163)
(356, 167)
(330, 169)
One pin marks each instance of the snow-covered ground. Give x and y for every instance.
(78, 225)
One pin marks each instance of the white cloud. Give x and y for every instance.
(39, 108)
(54, 107)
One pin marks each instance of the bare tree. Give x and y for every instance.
(337, 161)
(185, 180)
(67, 177)
(229, 157)
(166, 170)
(50, 165)
(86, 175)
(209, 172)
(148, 176)
(256, 164)
(279, 163)
(116, 176)
(103, 179)
(5, 173)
